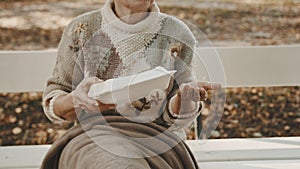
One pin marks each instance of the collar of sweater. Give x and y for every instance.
(130, 41)
(146, 25)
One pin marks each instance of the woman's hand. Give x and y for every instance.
(189, 94)
(80, 97)
(66, 105)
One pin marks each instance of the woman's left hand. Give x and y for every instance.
(189, 94)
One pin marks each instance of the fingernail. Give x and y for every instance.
(96, 104)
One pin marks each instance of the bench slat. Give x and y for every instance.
(268, 164)
(22, 156)
(246, 149)
(25, 71)
(244, 66)
(22, 71)
(210, 154)
(254, 66)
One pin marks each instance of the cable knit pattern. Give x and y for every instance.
(130, 41)
(94, 44)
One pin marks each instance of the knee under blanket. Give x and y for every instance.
(116, 136)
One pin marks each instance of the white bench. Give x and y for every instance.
(243, 66)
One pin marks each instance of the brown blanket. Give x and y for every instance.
(113, 141)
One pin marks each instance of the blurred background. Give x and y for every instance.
(249, 112)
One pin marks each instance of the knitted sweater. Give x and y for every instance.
(99, 44)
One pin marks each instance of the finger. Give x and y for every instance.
(203, 94)
(90, 108)
(189, 92)
(194, 93)
(98, 80)
(88, 105)
(83, 99)
(209, 86)
(105, 107)
(103, 104)
(92, 80)
(70, 116)
(184, 91)
(91, 104)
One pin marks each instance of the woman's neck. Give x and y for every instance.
(130, 16)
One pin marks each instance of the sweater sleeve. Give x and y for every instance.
(67, 72)
(183, 52)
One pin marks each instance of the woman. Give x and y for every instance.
(125, 37)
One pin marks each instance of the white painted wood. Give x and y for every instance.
(277, 148)
(210, 154)
(23, 71)
(22, 156)
(263, 164)
(254, 66)
(243, 66)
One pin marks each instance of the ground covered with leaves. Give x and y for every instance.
(248, 112)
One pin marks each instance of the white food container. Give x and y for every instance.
(131, 88)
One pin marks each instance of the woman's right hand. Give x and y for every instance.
(65, 106)
(80, 97)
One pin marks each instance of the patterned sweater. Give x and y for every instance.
(99, 44)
